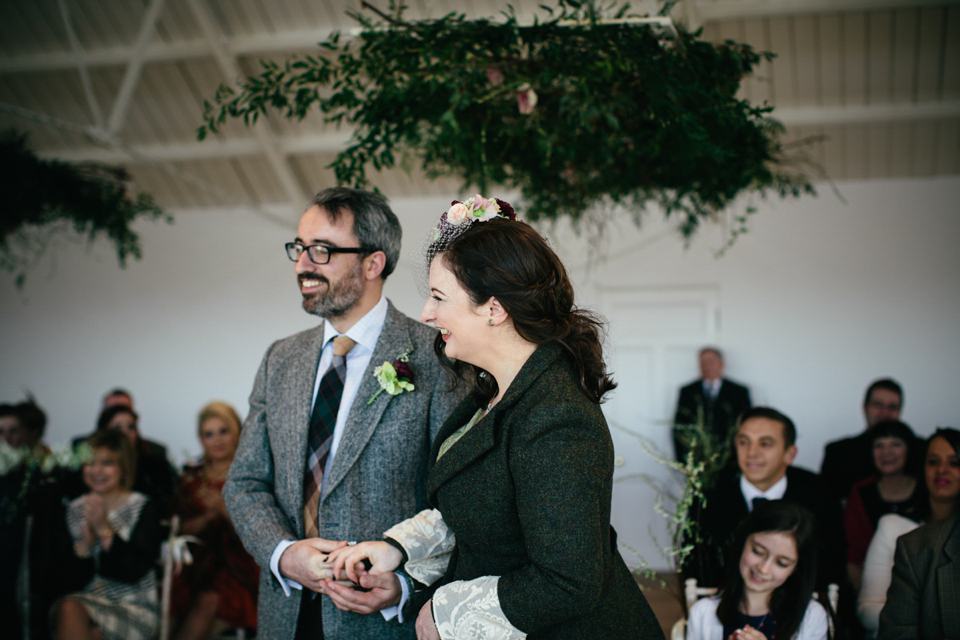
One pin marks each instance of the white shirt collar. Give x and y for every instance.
(365, 331)
(776, 492)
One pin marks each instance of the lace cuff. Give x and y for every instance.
(471, 609)
(428, 543)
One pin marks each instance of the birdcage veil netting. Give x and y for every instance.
(454, 222)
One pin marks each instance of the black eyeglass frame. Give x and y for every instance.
(294, 254)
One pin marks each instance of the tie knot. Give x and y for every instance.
(342, 345)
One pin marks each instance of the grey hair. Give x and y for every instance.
(374, 224)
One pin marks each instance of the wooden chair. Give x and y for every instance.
(692, 593)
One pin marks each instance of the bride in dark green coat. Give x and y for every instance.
(519, 543)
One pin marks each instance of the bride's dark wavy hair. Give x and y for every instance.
(511, 262)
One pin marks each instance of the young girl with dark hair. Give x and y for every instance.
(521, 473)
(768, 593)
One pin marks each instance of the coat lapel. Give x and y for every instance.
(301, 383)
(482, 437)
(364, 418)
(948, 582)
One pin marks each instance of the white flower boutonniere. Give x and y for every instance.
(395, 377)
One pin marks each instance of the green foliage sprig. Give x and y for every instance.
(94, 199)
(576, 113)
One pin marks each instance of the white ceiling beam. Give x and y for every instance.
(711, 10)
(285, 42)
(79, 60)
(212, 148)
(334, 142)
(875, 113)
(131, 75)
(227, 61)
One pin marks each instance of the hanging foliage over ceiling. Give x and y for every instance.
(575, 112)
(47, 197)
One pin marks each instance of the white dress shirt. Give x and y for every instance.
(776, 492)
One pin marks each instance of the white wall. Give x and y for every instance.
(815, 301)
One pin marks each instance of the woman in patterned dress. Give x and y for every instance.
(115, 535)
(220, 588)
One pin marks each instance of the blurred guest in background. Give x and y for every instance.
(119, 397)
(110, 547)
(11, 431)
(940, 502)
(891, 489)
(154, 475)
(220, 588)
(713, 399)
(850, 460)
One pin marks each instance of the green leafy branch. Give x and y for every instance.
(94, 200)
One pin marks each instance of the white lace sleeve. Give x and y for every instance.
(428, 543)
(471, 609)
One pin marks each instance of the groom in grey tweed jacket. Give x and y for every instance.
(377, 474)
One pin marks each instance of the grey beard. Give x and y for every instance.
(338, 299)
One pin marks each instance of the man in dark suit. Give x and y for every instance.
(923, 601)
(369, 471)
(765, 447)
(713, 398)
(849, 460)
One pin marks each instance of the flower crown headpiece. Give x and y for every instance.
(475, 209)
(460, 217)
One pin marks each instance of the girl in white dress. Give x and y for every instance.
(768, 593)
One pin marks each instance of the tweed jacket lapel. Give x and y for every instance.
(364, 418)
(948, 581)
(300, 405)
(482, 436)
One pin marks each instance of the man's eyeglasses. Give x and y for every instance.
(319, 253)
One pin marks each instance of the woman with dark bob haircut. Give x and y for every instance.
(893, 488)
(768, 588)
(519, 542)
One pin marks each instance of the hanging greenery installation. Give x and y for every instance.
(46, 197)
(580, 110)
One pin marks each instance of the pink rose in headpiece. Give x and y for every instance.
(484, 209)
(458, 214)
(494, 76)
(526, 98)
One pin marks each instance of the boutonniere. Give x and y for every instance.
(395, 377)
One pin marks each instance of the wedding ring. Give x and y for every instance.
(352, 543)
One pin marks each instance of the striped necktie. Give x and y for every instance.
(320, 437)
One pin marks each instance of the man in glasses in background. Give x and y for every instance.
(323, 455)
(849, 460)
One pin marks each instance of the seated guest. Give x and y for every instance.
(850, 460)
(11, 431)
(12, 518)
(122, 398)
(154, 476)
(940, 502)
(220, 587)
(765, 447)
(767, 591)
(926, 585)
(34, 423)
(890, 490)
(112, 548)
(713, 399)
